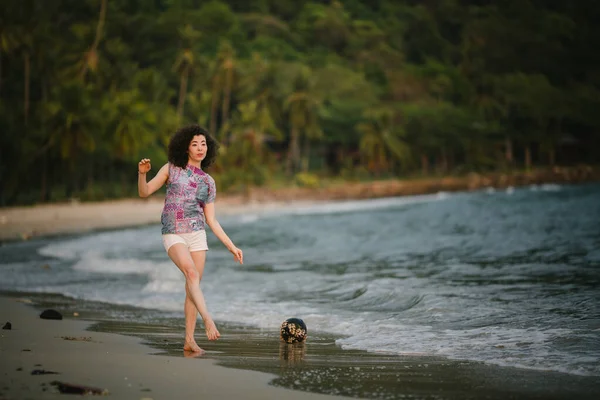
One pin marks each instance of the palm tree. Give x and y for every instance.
(90, 59)
(185, 63)
(227, 54)
(222, 86)
(132, 123)
(72, 119)
(382, 140)
(246, 156)
(8, 43)
(302, 106)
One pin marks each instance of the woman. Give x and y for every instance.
(189, 205)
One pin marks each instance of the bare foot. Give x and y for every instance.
(191, 354)
(192, 346)
(211, 330)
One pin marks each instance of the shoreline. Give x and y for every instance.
(37, 352)
(26, 222)
(144, 359)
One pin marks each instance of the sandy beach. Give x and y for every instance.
(129, 360)
(37, 352)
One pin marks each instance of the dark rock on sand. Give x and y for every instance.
(7, 325)
(43, 372)
(50, 314)
(69, 388)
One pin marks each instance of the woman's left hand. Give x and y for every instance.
(238, 255)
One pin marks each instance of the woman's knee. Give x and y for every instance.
(191, 274)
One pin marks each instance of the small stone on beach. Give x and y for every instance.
(78, 339)
(69, 388)
(7, 326)
(51, 314)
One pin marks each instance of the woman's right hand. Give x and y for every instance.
(144, 166)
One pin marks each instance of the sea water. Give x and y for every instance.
(506, 277)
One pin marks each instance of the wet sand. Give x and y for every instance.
(145, 359)
(120, 366)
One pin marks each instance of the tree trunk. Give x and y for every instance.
(97, 38)
(214, 106)
(527, 158)
(306, 155)
(424, 164)
(444, 161)
(508, 148)
(27, 67)
(182, 92)
(44, 183)
(44, 180)
(90, 177)
(292, 160)
(227, 96)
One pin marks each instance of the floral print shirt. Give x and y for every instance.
(188, 190)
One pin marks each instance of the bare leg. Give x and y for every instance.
(199, 258)
(182, 258)
(190, 312)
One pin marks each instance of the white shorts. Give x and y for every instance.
(194, 241)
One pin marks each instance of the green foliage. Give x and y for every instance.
(307, 180)
(350, 88)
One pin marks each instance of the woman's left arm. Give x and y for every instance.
(209, 213)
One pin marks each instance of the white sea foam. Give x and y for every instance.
(546, 187)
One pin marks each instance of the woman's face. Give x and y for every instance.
(197, 148)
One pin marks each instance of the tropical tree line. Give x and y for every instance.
(353, 88)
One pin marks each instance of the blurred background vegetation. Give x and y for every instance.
(296, 91)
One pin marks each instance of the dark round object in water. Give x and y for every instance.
(50, 314)
(293, 330)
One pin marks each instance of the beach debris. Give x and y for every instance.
(43, 372)
(7, 326)
(76, 314)
(293, 330)
(26, 235)
(24, 300)
(78, 339)
(46, 266)
(26, 350)
(50, 314)
(20, 369)
(69, 388)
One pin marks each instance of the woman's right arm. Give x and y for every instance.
(145, 189)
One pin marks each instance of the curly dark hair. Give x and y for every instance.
(180, 142)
